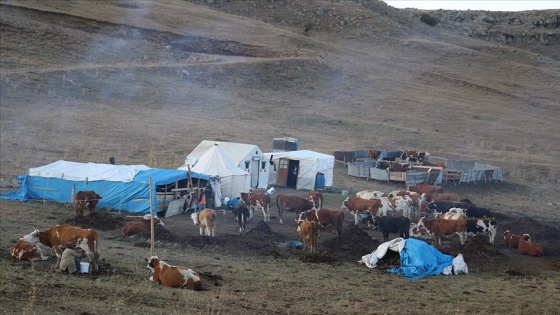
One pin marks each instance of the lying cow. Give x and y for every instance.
(173, 276)
(206, 220)
(91, 198)
(526, 247)
(242, 214)
(295, 204)
(87, 239)
(23, 250)
(325, 218)
(511, 240)
(391, 224)
(140, 227)
(309, 233)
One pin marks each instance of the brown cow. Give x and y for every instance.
(374, 154)
(206, 220)
(511, 240)
(140, 227)
(173, 276)
(356, 205)
(440, 197)
(257, 199)
(426, 189)
(325, 218)
(439, 227)
(526, 247)
(295, 204)
(317, 198)
(87, 239)
(309, 233)
(91, 198)
(23, 250)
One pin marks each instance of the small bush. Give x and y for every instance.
(428, 19)
(307, 26)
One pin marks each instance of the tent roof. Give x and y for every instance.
(300, 155)
(236, 151)
(215, 162)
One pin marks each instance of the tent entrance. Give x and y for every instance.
(287, 173)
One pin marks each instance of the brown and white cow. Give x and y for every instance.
(355, 205)
(257, 199)
(242, 214)
(367, 194)
(414, 155)
(309, 233)
(173, 276)
(426, 189)
(511, 240)
(325, 218)
(439, 227)
(290, 203)
(396, 193)
(140, 227)
(23, 250)
(91, 198)
(317, 198)
(206, 220)
(87, 239)
(440, 197)
(526, 247)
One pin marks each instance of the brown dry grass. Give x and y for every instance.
(84, 81)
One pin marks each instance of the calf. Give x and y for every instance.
(309, 233)
(91, 198)
(206, 220)
(87, 239)
(439, 227)
(356, 205)
(140, 227)
(26, 251)
(484, 226)
(391, 224)
(317, 198)
(325, 218)
(242, 214)
(173, 276)
(511, 240)
(526, 247)
(292, 204)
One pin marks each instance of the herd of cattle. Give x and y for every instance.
(421, 211)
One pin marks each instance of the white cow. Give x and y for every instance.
(366, 194)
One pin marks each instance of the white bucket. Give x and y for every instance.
(84, 267)
(271, 191)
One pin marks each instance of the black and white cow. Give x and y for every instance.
(484, 226)
(393, 224)
(477, 212)
(444, 206)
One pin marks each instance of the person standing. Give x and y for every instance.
(69, 259)
(209, 194)
(201, 200)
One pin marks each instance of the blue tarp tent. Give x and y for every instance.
(122, 187)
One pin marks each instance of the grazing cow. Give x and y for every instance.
(317, 198)
(356, 205)
(366, 194)
(390, 224)
(87, 239)
(140, 227)
(374, 154)
(485, 226)
(444, 206)
(173, 276)
(23, 250)
(440, 197)
(257, 199)
(91, 198)
(309, 233)
(439, 227)
(477, 212)
(526, 247)
(206, 220)
(426, 189)
(511, 240)
(325, 218)
(242, 214)
(295, 204)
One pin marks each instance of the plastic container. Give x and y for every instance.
(84, 267)
(320, 181)
(293, 244)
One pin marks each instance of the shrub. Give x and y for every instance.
(428, 19)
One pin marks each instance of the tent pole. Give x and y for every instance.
(151, 220)
(190, 178)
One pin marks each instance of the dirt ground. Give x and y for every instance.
(145, 82)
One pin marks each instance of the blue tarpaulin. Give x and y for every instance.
(420, 259)
(121, 187)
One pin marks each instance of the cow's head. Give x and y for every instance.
(194, 217)
(527, 237)
(152, 262)
(32, 237)
(345, 204)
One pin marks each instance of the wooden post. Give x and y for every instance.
(190, 178)
(151, 220)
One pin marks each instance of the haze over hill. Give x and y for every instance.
(145, 81)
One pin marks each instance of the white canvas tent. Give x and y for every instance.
(215, 162)
(248, 157)
(302, 167)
